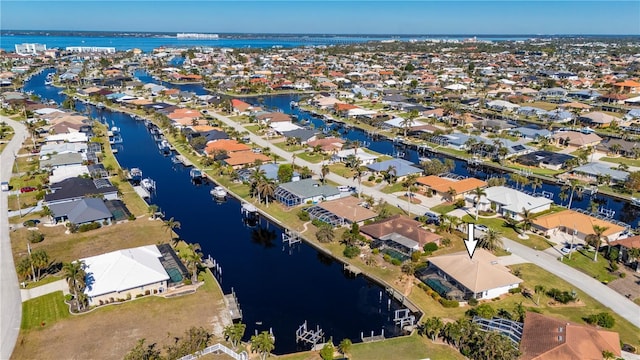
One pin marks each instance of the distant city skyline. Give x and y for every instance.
(328, 17)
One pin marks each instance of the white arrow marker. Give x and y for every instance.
(471, 243)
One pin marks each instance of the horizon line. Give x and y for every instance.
(317, 33)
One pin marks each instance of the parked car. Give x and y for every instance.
(481, 227)
(27, 189)
(4, 186)
(432, 218)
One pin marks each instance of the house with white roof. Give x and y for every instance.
(509, 202)
(364, 157)
(124, 273)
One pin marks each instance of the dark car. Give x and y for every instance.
(27, 189)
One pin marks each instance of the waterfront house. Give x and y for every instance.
(622, 147)
(64, 148)
(509, 202)
(399, 233)
(77, 188)
(305, 191)
(65, 172)
(544, 159)
(568, 220)
(501, 105)
(529, 133)
(401, 168)
(447, 188)
(547, 338)
(267, 118)
(342, 211)
(558, 116)
(364, 157)
(240, 107)
(480, 277)
(125, 274)
(327, 144)
(79, 212)
(555, 92)
(593, 171)
(270, 172)
(74, 137)
(55, 161)
(597, 119)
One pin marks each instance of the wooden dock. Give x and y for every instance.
(142, 192)
(233, 305)
(372, 337)
(352, 269)
(184, 161)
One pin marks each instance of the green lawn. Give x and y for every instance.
(622, 160)
(45, 309)
(341, 170)
(583, 261)
(534, 241)
(543, 105)
(311, 157)
(406, 347)
(443, 208)
(395, 187)
(535, 170)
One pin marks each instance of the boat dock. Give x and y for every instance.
(351, 269)
(142, 192)
(183, 160)
(372, 337)
(233, 305)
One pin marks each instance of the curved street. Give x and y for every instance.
(605, 295)
(10, 299)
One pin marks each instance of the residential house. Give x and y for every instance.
(77, 188)
(305, 191)
(622, 147)
(270, 171)
(593, 171)
(123, 274)
(327, 144)
(399, 167)
(628, 86)
(529, 133)
(569, 221)
(400, 233)
(364, 157)
(240, 107)
(624, 245)
(509, 203)
(480, 277)
(233, 153)
(64, 172)
(79, 212)
(576, 139)
(547, 338)
(598, 119)
(55, 161)
(447, 188)
(342, 211)
(544, 159)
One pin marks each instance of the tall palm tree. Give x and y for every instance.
(234, 333)
(451, 193)
(40, 261)
(266, 189)
(410, 184)
(573, 184)
(491, 240)
(263, 344)
(75, 275)
(478, 193)
(324, 171)
(193, 258)
(325, 234)
(432, 327)
(170, 225)
(598, 231)
(536, 183)
(358, 173)
(527, 219)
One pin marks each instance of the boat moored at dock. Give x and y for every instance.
(219, 192)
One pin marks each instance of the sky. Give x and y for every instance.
(543, 17)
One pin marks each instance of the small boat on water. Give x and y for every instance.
(100, 105)
(148, 184)
(635, 201)
(196, 174)
(114, 135)
(165, 147)
(219, 192)
(135, 174)
(293, 104)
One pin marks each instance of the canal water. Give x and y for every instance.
(277, 287)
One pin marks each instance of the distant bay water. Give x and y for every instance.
(147, 44)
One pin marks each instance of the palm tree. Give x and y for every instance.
(432, 327)
(75, 275)
(563, 196)
(451, 193)
(358, 173)
(527, 219)
(193, 258)
(536, 183)
(266, 189)
(573, 184)
(234, 333)
(410, 184)
(263, 344)
(539, 289)
(40, 261)
(478, 193)
(491, 240)
(324, 171)
(615, 148)
(598, 231)
(153, 209)
(390, 174)
(170, 225)
(345, 346)
(325, 234)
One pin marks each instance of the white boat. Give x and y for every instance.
(148, 184)
(165, 147)
(219, 192)
(100, 105)
(635, 201)
(195, 174)
(135, 174)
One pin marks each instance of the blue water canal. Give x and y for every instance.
(276, 288)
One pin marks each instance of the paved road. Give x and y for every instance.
(609, 297)
(10, 300)
(389, 198)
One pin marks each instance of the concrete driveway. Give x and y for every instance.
(10, 299)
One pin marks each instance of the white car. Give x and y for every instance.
(481, 227)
